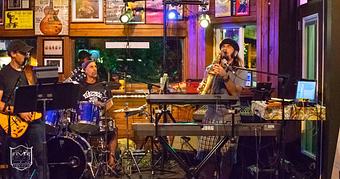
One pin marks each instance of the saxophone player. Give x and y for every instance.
(225, 80)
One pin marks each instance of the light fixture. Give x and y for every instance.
(204, 20)
(126, 16)
(173, 14)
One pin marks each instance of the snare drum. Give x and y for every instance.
(87, 118)
(51, 120)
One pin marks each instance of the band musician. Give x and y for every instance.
(17, 70)
(225, 81)
(99, 94)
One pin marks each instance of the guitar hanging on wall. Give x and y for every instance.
(50, 24)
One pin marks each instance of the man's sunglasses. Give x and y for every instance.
(26, 54)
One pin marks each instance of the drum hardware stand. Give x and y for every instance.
(103, 165)
(89, 167)
(164, 142)
(128, 153)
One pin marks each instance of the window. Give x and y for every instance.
(142, 64)
(246, 37)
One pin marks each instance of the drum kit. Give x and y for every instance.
(78, 139)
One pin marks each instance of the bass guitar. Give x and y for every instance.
(18, 126)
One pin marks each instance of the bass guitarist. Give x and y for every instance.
(20, 74)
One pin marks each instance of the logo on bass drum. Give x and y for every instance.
(21, 157)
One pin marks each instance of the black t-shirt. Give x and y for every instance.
(94, 92)
(8, 78)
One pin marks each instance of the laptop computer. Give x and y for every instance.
(306, 92)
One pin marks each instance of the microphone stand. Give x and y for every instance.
(150, 85)
(285, 79)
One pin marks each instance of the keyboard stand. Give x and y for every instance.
(165, 113)
(193, 172)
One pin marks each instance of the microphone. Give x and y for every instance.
(226, 66)
(26, 59)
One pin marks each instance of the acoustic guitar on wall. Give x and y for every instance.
(50, 24)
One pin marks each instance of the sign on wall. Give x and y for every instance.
(1, 12)
(113, 10)
(51, 17)
(22, 19)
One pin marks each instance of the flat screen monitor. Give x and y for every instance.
(306, 91)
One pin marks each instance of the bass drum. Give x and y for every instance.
(68, 156)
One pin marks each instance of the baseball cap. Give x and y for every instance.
(18, 46)
(85, 64)
(231, 42)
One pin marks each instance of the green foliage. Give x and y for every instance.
(146, 64)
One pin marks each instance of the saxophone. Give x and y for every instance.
(205, 86)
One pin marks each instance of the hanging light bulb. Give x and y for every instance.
(204, 20)
(126, 16)
(173, 14)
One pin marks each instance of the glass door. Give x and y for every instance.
(310, 66)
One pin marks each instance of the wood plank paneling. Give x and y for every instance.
(267, 41)
(16, 33)
(141, 30)
(67, 54)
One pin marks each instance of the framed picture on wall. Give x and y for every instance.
(18, 19)
(57, 61)
(242, 7)
(1, 12)
(53, 47)
(113, 10)
(87, 10)
(154, 11)
(54, 23)
(138, 10)
(25, 4)
(222, 8)
(13, 4)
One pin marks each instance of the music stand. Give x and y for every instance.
(42, 97)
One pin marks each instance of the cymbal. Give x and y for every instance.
(131, 111)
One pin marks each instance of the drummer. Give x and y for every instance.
(97, 93)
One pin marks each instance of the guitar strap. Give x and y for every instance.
(29, 74)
